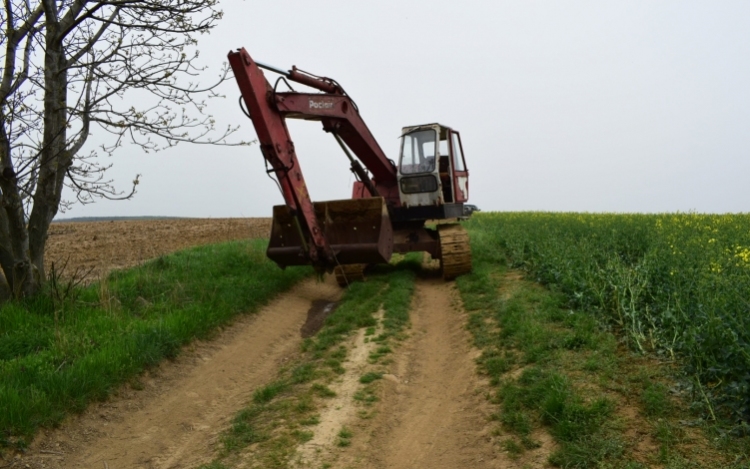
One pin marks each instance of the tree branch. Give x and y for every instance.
(85, 118)
(94, 39)
(15, 37)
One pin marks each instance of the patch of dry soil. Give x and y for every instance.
(340, 410)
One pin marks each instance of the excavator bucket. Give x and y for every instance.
(357, 230)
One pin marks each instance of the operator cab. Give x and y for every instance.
(431, 170)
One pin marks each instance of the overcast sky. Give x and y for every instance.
(630, 106)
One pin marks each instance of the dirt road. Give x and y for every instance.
(174, 420)
(432, 411)
(434, 418)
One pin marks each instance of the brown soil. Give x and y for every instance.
(433, 410)
(340, 411)
(317, 315)
(98, 247)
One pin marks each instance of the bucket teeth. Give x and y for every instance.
(455, 252)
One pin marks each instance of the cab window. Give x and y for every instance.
(418, 152)
(458, 156)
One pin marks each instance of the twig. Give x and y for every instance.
(710, 408)
(61, 365)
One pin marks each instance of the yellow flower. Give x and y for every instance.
(742, 253)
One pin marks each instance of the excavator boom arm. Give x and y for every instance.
(278, 149)
(339, 115)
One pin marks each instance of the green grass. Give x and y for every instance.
(268, 392)
(554, 362)
(655, 400)
(345, 437)
(369, 377)
(525, 333)
(676, 284)
(58, 356)
(322, 390)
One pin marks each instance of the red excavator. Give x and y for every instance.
(390, 203)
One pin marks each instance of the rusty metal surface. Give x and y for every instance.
(415, 238)
(348, 274)
(278, 149)
(339, 115)
(358, 232)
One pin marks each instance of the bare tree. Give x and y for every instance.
(127, 66)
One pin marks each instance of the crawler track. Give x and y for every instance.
(455, 252)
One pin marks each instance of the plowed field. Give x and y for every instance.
(101, 246)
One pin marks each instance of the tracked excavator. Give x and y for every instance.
(390, 203)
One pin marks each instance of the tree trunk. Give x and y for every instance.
(105, 48)
(55, 160)
(20, 273)
(15, 261)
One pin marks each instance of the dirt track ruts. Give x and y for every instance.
(176, 419)
(434, 414)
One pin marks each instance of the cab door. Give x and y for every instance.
(418, 172)
(460, 171)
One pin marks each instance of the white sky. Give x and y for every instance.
(636, 106)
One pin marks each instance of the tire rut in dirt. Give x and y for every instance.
(433, 415)
(176, 419)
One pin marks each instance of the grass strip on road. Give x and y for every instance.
(57, 355)
(284, 413)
